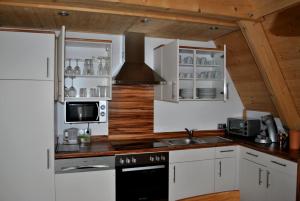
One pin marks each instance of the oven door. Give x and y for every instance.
(142, 183)
(80, 112)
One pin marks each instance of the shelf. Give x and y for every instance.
(86, 98)
(207, 66)
(186, 78)
(216, 80)
(186, 65)
(87, 76)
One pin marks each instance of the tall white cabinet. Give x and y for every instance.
(26, 118)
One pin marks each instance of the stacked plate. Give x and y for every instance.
(186, 93)
(206, 92)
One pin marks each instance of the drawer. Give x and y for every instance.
(282, 165)
(191, 155)
(252, 155)
(226, 152)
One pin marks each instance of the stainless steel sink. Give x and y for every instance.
(194, 140)
(183, 141)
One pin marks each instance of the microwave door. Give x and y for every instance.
(97, 119)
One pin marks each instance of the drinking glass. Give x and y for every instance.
(69, 70)
(72, 91)
(83, 92)
(77, 70)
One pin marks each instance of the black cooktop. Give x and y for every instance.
(131, 145)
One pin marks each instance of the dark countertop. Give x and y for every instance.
(104, 147)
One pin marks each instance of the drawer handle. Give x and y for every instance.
(277, 163)
(251, 154)
(268, 179)
(224, 151)
(259, 176)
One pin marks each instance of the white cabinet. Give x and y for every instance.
(90, 186)
(84, 69)
(266, 178)
(191, 73)
(27, 56)
(191, 173)
(27, 140)
(226, 169)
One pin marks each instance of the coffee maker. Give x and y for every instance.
(269, 133)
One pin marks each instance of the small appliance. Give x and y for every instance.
(241, 127)
(85, 112)
(270, 133)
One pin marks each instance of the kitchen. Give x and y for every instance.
(129, 141)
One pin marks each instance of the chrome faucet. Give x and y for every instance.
(190, 133)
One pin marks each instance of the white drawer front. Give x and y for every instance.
(252, 155)
(191, 155)
(226, 152)
(282, 165)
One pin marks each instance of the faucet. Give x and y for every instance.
(190, 133)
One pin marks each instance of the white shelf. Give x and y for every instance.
(186, 65)
(207, 66)
(215, 80)
(87, 76)
(186, 79)
(86, 98)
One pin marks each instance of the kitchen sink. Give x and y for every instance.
(183, 141)
(194, 140)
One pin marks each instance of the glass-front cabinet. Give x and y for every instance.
(84, 69)
(192, 73)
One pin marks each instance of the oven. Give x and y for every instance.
(142, 177)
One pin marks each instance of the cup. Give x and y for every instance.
(83, 92)
(103, 91)
(294, 139)
(93, 92)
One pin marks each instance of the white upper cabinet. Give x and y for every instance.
(27, 56)
(84, 69)
(192, 73)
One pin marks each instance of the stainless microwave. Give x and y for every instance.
(241, 127)
(85, 111)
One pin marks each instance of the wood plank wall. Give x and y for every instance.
(245, 74)
(283, 32)
(131, 112)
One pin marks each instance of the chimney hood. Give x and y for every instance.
(134, 70)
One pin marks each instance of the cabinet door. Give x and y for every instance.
(225, 174)
(252, 186)
(27, 140)
(60, 82)
(27, 55)
(190, 179)
(170, 91)
(90, 186)
(280, 186)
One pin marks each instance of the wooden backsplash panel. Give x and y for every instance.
(131, 112)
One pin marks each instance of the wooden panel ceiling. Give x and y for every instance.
(42, 18)
(245, 74)
(286, 48)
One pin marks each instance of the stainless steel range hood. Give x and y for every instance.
(134, 70)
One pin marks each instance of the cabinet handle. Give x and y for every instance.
(277, 163)
(259, 176)
(174, 176)
(224, 151)
(220, 169)
(268, 178)
(251, 154)
(47, 66)
(48, 158)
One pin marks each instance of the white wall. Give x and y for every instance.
(167, 116)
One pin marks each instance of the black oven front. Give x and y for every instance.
(142, 177)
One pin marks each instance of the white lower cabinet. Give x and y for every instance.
(225, 174)
(89, 186)
(266, 178)
(191, 173)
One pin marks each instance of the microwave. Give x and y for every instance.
(241, 127)
(85, 112)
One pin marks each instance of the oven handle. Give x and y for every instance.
(143, 168)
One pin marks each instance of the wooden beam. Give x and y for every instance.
(119, 10)
(266, 7)
(271, 72)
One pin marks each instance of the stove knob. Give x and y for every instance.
(151, 158)
(133, 160)
(163, 158)
(127, 160)
(121, 161)
(157, 158)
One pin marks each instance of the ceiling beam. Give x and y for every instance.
(271, 72)
(233, 9)
(104, 9)
(266, 7)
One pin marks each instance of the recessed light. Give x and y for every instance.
(145, 20)
(213, 28)
(63, 13)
